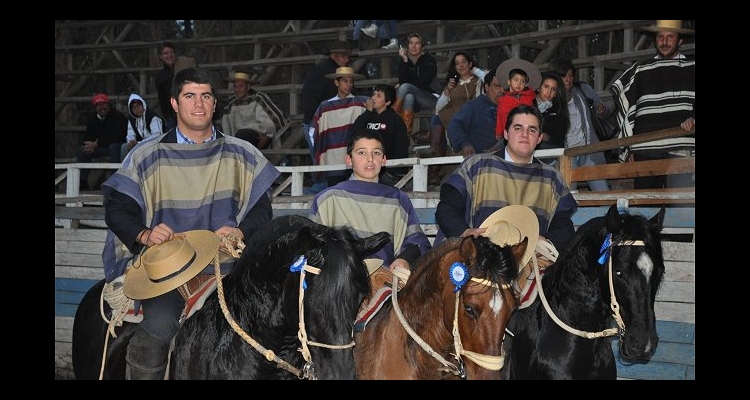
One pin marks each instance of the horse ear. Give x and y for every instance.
(613, 219)
(373, 243)
(658, 220)
(519, 249)
(468, 247)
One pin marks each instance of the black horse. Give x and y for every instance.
(261, 295)
(616, 251)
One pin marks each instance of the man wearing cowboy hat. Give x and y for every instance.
(333, 122)
(318, 88)
(251, 115)
(191, 178)
(665, 83)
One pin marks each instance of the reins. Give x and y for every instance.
(614, 305)
(307, 371)
(494, 363)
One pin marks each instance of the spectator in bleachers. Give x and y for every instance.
(251, 115)
(376, 28)
(418, 87)
(105, 133)
(168, 56)
(551, 100)
(318, 88)
(143, 123)
(581, 130)
(379, 117)
(522, 78)
(464, 82)
(472, 129)
(333, 122)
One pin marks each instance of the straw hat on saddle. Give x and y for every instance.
(669, 25)
(510, 225)
(503, 70)
(164, 267)
(241, 76)
(344, 72)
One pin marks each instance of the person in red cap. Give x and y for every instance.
(105, 133)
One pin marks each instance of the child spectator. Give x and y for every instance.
(143, 122)
(380, 117)
(523, 79)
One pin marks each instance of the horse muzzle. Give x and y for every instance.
(635, 351)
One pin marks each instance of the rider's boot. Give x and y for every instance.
(146, 357)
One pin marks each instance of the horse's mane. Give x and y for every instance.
(342, 275)
(495, 264)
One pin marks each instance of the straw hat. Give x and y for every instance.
(535, 77)
(344, 72)
(166, 266)
(510, 225)
(669, 25)
(373, 264)
(241, 76)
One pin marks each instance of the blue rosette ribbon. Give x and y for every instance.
(605, 249)
(299, 266)
(459, 275)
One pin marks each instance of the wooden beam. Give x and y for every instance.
(667, 166)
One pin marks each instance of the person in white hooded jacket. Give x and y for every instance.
(142, 124)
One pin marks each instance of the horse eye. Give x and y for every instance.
(618, 272)
(470, 311)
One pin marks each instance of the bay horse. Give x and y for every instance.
(609, 273)
(434, 319)
(297, 284)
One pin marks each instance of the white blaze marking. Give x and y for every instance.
(496, 302)
(646, 265)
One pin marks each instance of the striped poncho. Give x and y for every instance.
(188, 187)
(656, 94)
(369, 208)
(333, 125)
(489, 183)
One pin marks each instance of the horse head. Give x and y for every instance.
(330, 297)
(484, 303)
(632, 258)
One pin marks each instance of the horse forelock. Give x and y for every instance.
(494, 263)
(647, 258)
(334, 295)
(342, 271)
